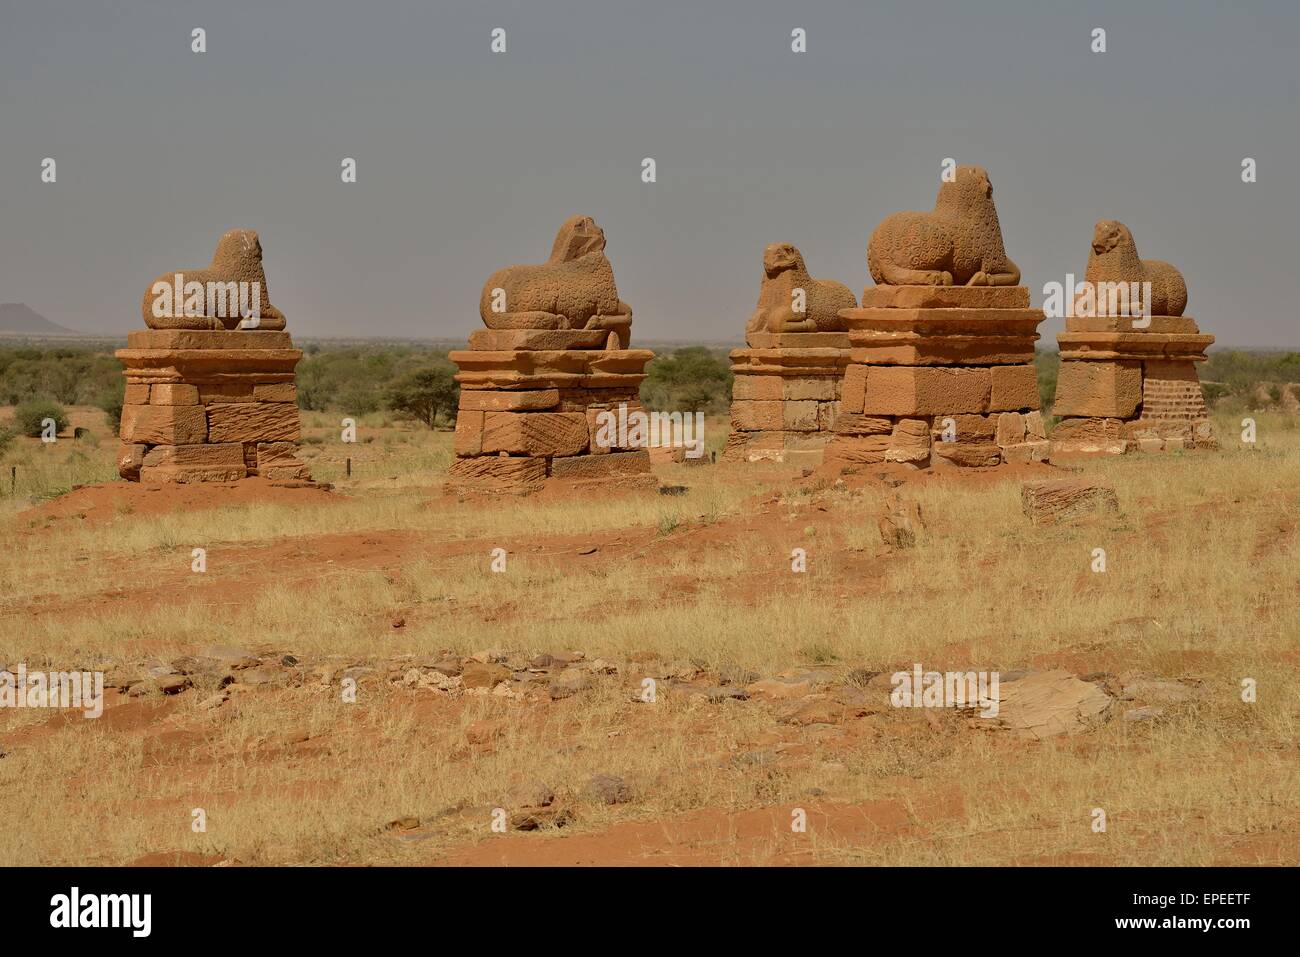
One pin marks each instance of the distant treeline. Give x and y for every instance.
(416, 382)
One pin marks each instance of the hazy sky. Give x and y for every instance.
(470, 160)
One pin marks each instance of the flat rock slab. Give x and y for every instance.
(171, 339)
(1047, 704)
(946, 297)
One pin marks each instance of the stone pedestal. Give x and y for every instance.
(529, 407)
(1124, 389)
(786, 395)
(940, 375)
(209, 406)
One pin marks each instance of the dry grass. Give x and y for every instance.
(1200, 585)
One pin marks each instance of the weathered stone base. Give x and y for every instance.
(785, 396)
(209, 406)
(940, 377)
(1124, 390)
(529, 415)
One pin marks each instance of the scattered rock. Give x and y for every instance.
(899, 522)
(607, 789)
(569, 682)
(779, 689)
(478, 674)
(1157, 691)
(534, 794)
(230, 656)
(262, 676)
(451, 667)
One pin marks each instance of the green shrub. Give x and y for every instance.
(111, 402)
(30, 417)
(692, 379)
(1212, 392)
(424, 395)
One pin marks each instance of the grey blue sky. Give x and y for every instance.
(470, 160)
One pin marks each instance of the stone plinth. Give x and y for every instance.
(1123, 388)
(209, 406)
(938, 376)
(786, 395)
(529, 409)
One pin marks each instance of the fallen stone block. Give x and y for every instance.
(1058, 500)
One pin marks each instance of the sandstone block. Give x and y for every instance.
(910, 433)
(855, 423)
(275, 392)
(173, 393)
(822, 388)
(968, 428)
(915, 390)
(535, 433)
(270, 454)
(129, 460)
(967, 454)
(1013, 388)
(173, 340)
(1063, 499)
(468, 439)
(211, 393)
(1011, 428)
(524, 400)
(858, 449)
(1034, 426)
(164, 425)
(163, 474)
(853, 389)
(253, 422)
(136, 394)
(946, 297)
(1101, 431)
(758, 388)
(510, 470)
(799, 416)
(1108, 389)
(1023, 452)
(537, 340)
(594, 427)
(286, 472)
(216, 455)
(601, 466)
(757, 416)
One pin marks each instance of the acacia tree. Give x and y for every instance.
(423, 395)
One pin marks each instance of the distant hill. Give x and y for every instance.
(18, 317)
